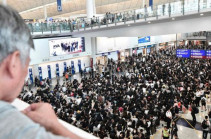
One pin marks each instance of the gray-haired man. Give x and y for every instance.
(38, 120)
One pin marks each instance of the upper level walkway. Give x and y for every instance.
(156, 13)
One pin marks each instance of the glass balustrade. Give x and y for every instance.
(176, 8)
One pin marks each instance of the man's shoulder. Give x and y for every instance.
(16, 125)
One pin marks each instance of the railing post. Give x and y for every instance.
(71, 27)
(135, 16)
(183, 7)
(91, 23)
(169, 10)
(156, 12)
(51, 28)
(99, 22)
(32, 29)
(198, 6)
(42, 28)
(124, 18)
(115, 18)
(60, 27)
(78, 25)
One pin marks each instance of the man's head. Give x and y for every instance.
(15, 44)
(206, 117)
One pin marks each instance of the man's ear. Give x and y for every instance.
(13, 64)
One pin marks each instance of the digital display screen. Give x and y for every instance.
(66, 46)
(208, 55)
(183, 53)
(198, 54)
(144, 39)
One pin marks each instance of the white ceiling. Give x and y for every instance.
(34, 9)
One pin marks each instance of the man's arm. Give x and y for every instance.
(43, 114)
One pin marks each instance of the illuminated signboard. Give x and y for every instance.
(208, 55)
(198, 54)
(183, 53)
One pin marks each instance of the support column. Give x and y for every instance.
(94, 8)
(90, 8)
(4, 2)
(94, 49)
(45, 12)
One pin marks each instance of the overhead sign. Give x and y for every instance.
(208, 55)
(198, 54)
(144, 39)
(59, 5)
(150, 2)
(183, 53)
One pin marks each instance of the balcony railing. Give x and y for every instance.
(155, 12)
(20, 105)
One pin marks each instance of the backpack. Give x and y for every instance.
(196, 110)
(203, 100)
(204, 125)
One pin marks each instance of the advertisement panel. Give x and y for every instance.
(66, 46)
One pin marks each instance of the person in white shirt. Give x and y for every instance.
(168, 118)
(198, 97)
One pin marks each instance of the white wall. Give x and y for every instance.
(84, 60)
(113, 55)
(105, 44)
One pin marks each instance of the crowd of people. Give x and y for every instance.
(130, 98)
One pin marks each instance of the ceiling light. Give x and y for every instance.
(149, 22)
(173, 18)
(128, 25)
(201, 14)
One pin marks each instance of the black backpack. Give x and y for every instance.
(203, 100)
(204, 125)
(196, 110)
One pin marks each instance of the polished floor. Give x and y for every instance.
(185, 128)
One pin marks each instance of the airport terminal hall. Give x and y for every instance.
(105, 69)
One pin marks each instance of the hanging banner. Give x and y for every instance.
(57, 69)
(40, 73)
(49, 71)
(65, 67)
(79, 65)
(31, 75)
(150, 2)
(73, 67)
(59, 5)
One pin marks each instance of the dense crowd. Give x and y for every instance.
(130, 98)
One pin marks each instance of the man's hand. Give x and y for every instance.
(43, 114)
